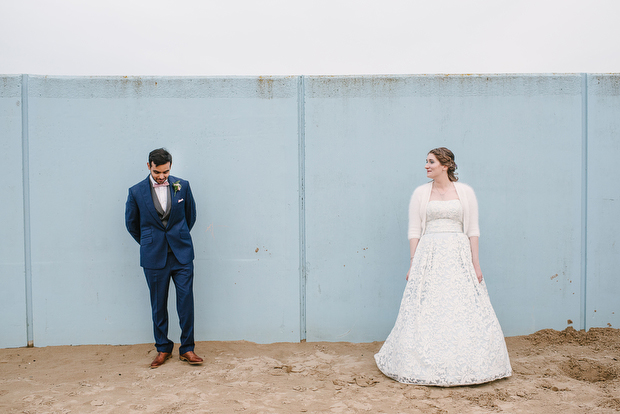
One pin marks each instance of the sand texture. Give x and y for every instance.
(554, 372)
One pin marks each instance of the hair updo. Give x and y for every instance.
(446, 158)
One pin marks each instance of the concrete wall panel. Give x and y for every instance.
(603, 266)
(12, 266)
(366, 141)
(235, 141)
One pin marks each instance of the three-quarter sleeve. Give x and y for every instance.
(473, 229)
(415, 220)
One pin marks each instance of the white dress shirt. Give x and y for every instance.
(161, 193)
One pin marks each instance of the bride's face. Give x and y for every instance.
(433, 167)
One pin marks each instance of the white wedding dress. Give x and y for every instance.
(446, 333)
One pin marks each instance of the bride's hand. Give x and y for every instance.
(409, 271)
(479, 274)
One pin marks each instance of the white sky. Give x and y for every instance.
(312, 37)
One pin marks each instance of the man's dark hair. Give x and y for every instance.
(159, 157)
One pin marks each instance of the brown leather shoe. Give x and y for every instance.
(160, 359)
(191, 357)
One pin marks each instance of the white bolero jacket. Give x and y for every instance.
(419, 201)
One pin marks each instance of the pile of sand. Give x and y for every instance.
(554, 372)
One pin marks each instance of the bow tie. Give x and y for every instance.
(161, 185)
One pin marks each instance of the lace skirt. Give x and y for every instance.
(446, 332)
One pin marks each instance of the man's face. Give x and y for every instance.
(159, 173)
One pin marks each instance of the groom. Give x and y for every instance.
(159, 213)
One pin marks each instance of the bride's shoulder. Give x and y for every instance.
(422, 188)
(466, 190)
(463, 186)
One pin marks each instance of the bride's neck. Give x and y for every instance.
(442, 183)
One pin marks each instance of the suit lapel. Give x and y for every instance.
(173, 197)
(145, 190)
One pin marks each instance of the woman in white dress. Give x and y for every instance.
(446, 333)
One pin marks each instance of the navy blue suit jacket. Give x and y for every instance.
(144, 224)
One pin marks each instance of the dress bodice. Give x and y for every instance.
(444, 217)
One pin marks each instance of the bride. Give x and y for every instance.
(446, 332)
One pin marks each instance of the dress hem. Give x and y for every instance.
(426, 383)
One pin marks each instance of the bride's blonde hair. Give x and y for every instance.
(446, 158)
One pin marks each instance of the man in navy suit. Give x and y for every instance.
(159, 213)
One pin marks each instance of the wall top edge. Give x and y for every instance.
(120, 87)
(11, 86)
(156, 77)
(450, 75)
(354, 75)
(604, 84)
(285, 87)
(443, 85)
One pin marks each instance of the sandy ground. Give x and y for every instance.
(554, 372)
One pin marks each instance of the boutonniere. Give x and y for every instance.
(176, 186)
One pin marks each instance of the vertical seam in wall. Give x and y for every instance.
(26, 195)
(584, 198)
(301, 136)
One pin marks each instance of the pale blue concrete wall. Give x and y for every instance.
(603, 203)
(360, 145)
(13, 291)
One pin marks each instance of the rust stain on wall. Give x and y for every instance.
(265, 87)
